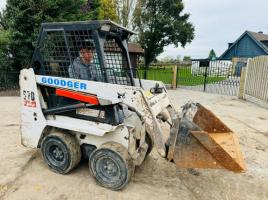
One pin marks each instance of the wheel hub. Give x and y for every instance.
(57, 153)
(109, 168)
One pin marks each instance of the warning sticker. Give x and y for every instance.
(29, 99)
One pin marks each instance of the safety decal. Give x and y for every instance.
(29, 99)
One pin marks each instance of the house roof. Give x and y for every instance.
(258, 38)
(135, 48)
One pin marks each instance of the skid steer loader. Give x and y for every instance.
(82, 99)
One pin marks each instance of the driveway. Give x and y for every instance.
(23, 175)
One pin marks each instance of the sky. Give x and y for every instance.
(217, 22)
(2, 4)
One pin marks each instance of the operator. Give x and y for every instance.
(82, 67)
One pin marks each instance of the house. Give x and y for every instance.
(248, 45)
(135, 52)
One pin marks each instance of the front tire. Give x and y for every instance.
(111, 165)
(61, 152)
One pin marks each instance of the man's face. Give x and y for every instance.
(86, 55)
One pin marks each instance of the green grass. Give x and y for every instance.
(185, 77)
(164, 75)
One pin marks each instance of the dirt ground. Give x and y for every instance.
(23, 175)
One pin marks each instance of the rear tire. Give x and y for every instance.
(111, 165)
(61, 152)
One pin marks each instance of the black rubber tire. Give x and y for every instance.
(111, 165)
(61, 152)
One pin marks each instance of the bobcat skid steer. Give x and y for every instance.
(82, 99)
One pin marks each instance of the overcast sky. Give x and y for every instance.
(2, 4)
(218, 22)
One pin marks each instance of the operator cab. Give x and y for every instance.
(91, 50)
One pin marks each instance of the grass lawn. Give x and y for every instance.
(164, 75)
(184, 77)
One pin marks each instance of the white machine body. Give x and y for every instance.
(35, 125)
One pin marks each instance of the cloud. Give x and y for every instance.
(218, 22)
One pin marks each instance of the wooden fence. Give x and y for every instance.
(255, 84)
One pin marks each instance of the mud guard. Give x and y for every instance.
(201, 140)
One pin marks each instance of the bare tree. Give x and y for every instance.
(125, 11)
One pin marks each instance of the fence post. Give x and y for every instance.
(234, 62)
(177, 78)
(145, 73)
(174, 77)
(242, 83)
(205, 79)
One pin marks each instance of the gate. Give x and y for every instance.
(256, 83)
(219, 76)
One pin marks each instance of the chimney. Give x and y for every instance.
(261, 32)
(230, 44)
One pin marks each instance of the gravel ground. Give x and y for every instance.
(23, 175)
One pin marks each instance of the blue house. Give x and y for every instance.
(248, 45)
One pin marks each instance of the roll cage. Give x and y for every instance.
(59, 44)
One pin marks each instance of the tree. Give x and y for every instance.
(25, 17)
(212, 55)
(167, 59)
(3, 20)
(100, 10)
(170, 59)
(108, 10)
(187, 58)
(125, 10)
(4, 50)
(4, 40)
(120, 11)
(161, 23)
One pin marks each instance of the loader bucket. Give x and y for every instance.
(201, 140)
